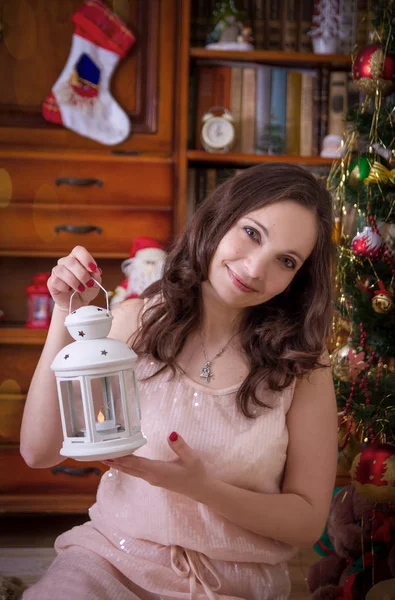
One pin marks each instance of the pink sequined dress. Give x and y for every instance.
(144, 542)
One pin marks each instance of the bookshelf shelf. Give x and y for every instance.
(200, 156)
(331, 61)
(21, 335)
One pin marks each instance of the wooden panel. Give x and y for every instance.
(46, 503)
(34, 52)
(48, 178)
(19, 361)
(28, 228)
(11, 411)
(17, 477)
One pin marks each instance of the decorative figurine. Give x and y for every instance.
(144, 266)
(229, 33)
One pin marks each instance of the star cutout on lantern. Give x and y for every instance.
(100, 309)
(357, 363)
(81, 333)
(66, 356)
(104, 352)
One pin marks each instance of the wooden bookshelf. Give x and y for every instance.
(306, 59)
(21, 335)
(201, 156)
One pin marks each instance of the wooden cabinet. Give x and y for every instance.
(59, 189)
(34, 52)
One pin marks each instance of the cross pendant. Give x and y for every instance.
(205, 371)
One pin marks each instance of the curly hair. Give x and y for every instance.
(282, 338)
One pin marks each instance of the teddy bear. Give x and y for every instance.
(355, 527)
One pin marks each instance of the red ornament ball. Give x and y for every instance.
(372, 68)
(368, 244)
(373, 472)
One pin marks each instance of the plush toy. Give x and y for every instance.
(360, 548)
(143, 267)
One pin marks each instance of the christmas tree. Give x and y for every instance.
(363, 186)
(363, 342)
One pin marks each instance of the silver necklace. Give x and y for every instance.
(205, 370)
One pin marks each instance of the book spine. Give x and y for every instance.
(294, 85)
(305, 25)
(324, 94)
(221, 87)
(274, 25)
(290, 29)
(248, 111)
(306, 112)
(337, 102)
(259, 24)
(316, 115)
(262, 119)
(278, 111)
(347, 14)
(236, 82)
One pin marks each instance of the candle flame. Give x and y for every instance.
(100, 417)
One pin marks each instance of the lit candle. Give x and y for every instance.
(105, 425)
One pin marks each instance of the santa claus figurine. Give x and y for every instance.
(145, 265)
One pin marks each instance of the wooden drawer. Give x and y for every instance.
(84, 179)
(53, 230)
(69, 477)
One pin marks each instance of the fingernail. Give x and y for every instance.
(109, 460)
(90, 283)
(81, 288)
(173, 437)
(92, 267)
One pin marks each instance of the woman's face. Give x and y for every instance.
(260, 255)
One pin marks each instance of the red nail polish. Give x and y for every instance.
(81, 288)
(173, 437)
(109, 460)
(92, 267)
(90, 283)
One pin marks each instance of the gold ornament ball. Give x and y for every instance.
(382, 303)
(340, 363)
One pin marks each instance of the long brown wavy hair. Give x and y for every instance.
(282, 338)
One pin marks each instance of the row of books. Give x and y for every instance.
(284, 24)
(202, 182)
(276, 110)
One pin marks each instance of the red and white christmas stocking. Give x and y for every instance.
(81, 99)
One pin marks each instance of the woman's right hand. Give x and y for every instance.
(74, 272)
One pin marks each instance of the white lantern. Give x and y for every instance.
(98, 395)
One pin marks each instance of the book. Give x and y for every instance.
(293, 108)
(348, 22)
(337, 102)
(263, 97)
(236, 82)
(248, 106)
(275, 133)
(306, 114)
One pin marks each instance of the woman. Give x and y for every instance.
(237, 405)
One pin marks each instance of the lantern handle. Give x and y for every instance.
(104, 290)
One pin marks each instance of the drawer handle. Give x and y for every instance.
(79, 229)
(79, 182)
(76, 471)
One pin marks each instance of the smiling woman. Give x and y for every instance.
(237, 405)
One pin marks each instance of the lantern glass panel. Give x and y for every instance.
(107, 404)
(132, 399)
(73, 409)
(40, 309)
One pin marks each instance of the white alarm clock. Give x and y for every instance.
(218, 132)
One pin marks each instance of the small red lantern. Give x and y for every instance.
(40, 302)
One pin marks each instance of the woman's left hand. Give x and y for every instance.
(185, 474)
